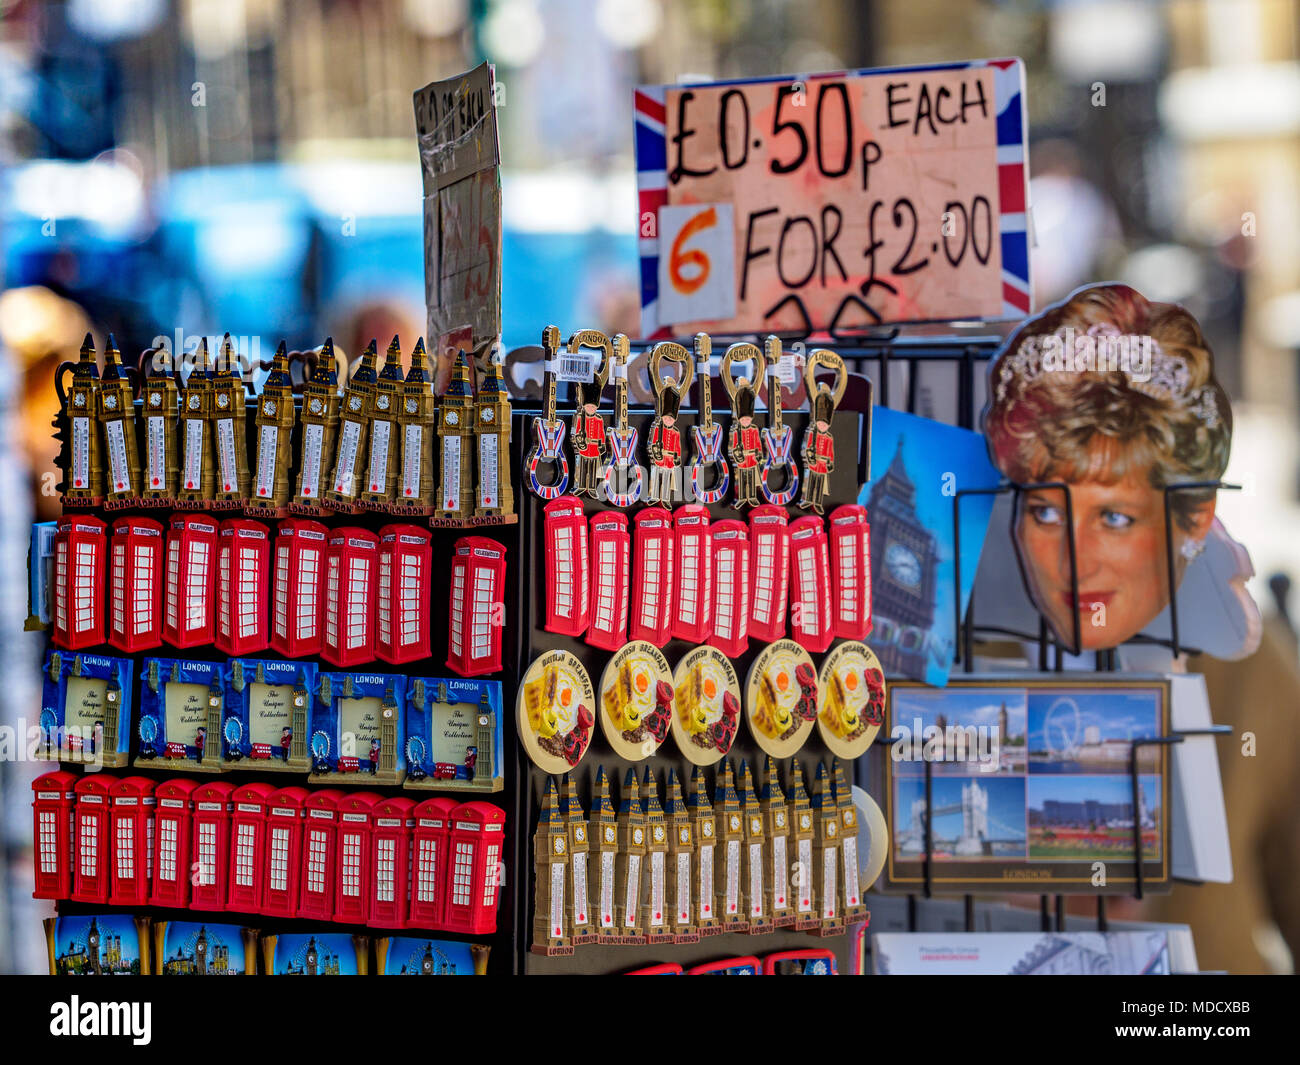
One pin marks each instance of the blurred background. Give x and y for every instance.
(250, 166)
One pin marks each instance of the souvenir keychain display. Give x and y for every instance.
(588, 434)
(744, 442)
(636, 700)
(548, 430)
(664, 445)
(555, 711)
(851, 699)
(624, 476)
(781, 698)
(818, 441)
(778, 439)
(706, 705)
(707, 435)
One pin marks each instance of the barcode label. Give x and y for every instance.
(80, 452)
(226, 464)
(266, 445)
(312, 437)
(379, 456)
(344, 469)
(193, 452)
(156, 448)
(118, 467)
(412, 452)
(451, 473)
(579, 367)
(488, 496)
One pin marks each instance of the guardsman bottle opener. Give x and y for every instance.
(818, 442)
(588, 434)
(161, 461)
(83, 478)
(708, 437)
(624, 476)
(778, 439)
(379, 487)
(229, 408)
(354, 426)
(744, 442)
(320, 423)
(196, 433)
(117, 413)
(274, 427)
(665, 443)
(548, 430)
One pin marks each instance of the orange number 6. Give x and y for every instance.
(679, 259)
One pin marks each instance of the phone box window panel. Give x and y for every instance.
(402, 610)
(298, 593)
(284, 832)
(248, 847)
(173, 821)
(473, 873)
(355, 867)
(132, 827)
(652, 585)
(190, 581)
(850, 536)
(79, 559)
(692, 548)
(90, 874)
(350, 584)
(611, 565)
(213, 806)
(769, 568)
(478, 571)
(135, 585)
(319, 854)
(568, 605)
(810, 570)
(394, 823)
(54, 833)
(243, 565)
(430, 851)
(731, 581)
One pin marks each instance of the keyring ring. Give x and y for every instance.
(594, 338)
(832, 361)
(742, 353)
(672, 352)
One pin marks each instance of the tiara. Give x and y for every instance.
(1166, 381)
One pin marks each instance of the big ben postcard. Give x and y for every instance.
(918, 467)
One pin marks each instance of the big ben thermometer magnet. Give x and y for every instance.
(781, 698)
(636, 700)
(851, 697)
(555, 711)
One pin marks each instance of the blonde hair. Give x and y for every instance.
(1106, 424)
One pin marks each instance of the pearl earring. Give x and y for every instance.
(1192, 549)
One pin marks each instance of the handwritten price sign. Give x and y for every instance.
(833, 201)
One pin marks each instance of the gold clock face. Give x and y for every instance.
(708, 828)
(559, 844)
(223, 401)
(609, 834)
(579, 833)
(684, 835)
(637, 835)
(830, 828)
(659, 833)
(805, 821)
(755, 825)
(780, 819)
(735, 822)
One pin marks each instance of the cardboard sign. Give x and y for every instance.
(833, 201)
(460, 164)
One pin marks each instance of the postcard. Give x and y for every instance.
(1021, 953)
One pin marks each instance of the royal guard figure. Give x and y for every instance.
(665, 443)
(588, 431)
(744, 442)
(818, 443)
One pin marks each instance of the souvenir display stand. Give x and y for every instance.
(852, 442)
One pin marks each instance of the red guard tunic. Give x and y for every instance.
(750, 445)
(825, 453)
(670, 440)
(594, 427)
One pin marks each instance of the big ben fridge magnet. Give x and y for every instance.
(453, 735)
(198, 948)
(86, 709)
(355, 728)
(181, 711)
